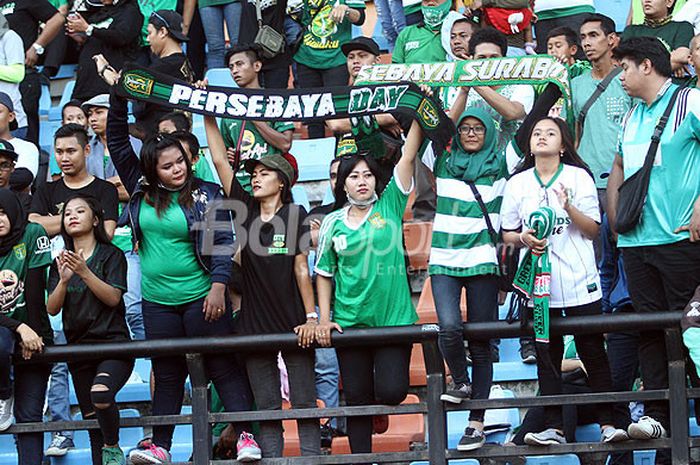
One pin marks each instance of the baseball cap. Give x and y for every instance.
(286, 164)
(361, 43)
(20, 179)
(170, 20)
(4, 25)
(101, 100)
(6, 100)
(8, 149)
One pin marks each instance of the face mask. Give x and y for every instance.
(363, 203)
(433, 16)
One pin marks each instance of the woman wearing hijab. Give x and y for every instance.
(25, 254)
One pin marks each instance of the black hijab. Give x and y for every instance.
(12, 207)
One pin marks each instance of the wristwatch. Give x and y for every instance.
(39, 49)
(89, 29)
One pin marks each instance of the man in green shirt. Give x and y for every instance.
(422, 42)
(251, 139)
(662, 252)
(600, 127)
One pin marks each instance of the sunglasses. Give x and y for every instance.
(161, 19)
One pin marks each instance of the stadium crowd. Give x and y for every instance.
(580, 203)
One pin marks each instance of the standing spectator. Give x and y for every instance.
(422, 43)
(598, 132)
(392, 18)
(27, 152)
(23, 313)
(246, 140)
(12, 73)
(179, 124)
(24, 18)
(86, 284)
(562, 44)
(55, 53)
(675, 35)
(214, 13)
(320, 61)
(110, 31)
(58, 397)
(197, 45)
(72, 112)
(555, 13)
(636, 11)
(661, 253)
(371, 288)
(275, 71)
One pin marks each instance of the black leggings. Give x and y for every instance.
(100, 404)
(372, 375)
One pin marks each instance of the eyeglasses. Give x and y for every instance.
(6, 166)
(465, 129)
(163, 20)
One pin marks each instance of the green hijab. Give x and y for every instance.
(470, 166)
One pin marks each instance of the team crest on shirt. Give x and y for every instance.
(11, 287)
(20, 251)
(278, 245)
(377, 221)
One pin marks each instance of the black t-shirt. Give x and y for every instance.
(271, 302)
(85, 317)
(50, 197)
(273, 14)
(24, 17)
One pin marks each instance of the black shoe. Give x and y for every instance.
(457, 393)
(528, 354)
(326, 436)
(495, 354)
(472, 439)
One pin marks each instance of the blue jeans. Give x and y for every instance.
(7, 348)
(132, 297)
(228, 376)
(213, 18)
(327, 374)
(391, 15)
(30, 392)
(482, 302)
(58, 400)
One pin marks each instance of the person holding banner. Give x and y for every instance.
(550, 207)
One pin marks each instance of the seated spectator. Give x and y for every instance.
(246, 140)
(675, 35)
(72, 112)
(636, 11)
(319, 60)
(456, 31)
(86, 284)
(178, 122)
(562, 44)
(12, 72)
(277, 296)
(556, 13)
(23, 320)
(108, 31)
(28, 154)
(513, 21)
(214, 14)
(8, 158)
(422, 42)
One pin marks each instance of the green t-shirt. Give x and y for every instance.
(252, 144)
(602, 123)
(202, 170)
(206, 3)
(149, 6)
(367, 262)
(673, 184)
(673, 34)
(122, 234)
(32, 251)
(320, 44)
(165, 280)
(418, 44)
(58, 3)
(410, 9)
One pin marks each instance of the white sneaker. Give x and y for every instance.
(611, 434)
(7, 417)
(59, 446)
(646, 428)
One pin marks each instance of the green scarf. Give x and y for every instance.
(533, 276)
(470, 166)
(433, 16)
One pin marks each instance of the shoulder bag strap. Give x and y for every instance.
(258, 14)
(484, 211)
(658, 131)
(238, 147)
(599, 89)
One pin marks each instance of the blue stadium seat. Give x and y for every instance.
(313, 157)
(457, 420)
(44, 101)
(300, 197)
(644, 457)
(617, 10)
(588, 433)
(564, 459)
(453, 462)
(198, 129)
(46, 132)
(8, 450)
(142, 366)
(66, 72)
(182, 439)
(514, 371)
(220, 77)
(55, 112)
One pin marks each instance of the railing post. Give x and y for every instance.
(678, 398)
(437, 420)
(201, 431)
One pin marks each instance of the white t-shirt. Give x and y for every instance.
(575, 279)
(690, 12)
(28, 155)
(11, 53)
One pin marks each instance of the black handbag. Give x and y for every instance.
(633, 191)
(507, 255)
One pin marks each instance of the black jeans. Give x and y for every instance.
(264, 375)
(591, 351)
(30, 88)
(100, 404)
(275, 78)
(30, 391)
(311, 77)
(228, 376)
(372, 375)
(482, 302)
(660, 279)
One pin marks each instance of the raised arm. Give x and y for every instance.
(406, 165)
(123, 156)
(217, 150)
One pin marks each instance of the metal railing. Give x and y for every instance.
(437, 452)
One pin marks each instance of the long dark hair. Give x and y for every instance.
(157, 196)
(570, 156)
(347, 164)
(100, 234)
